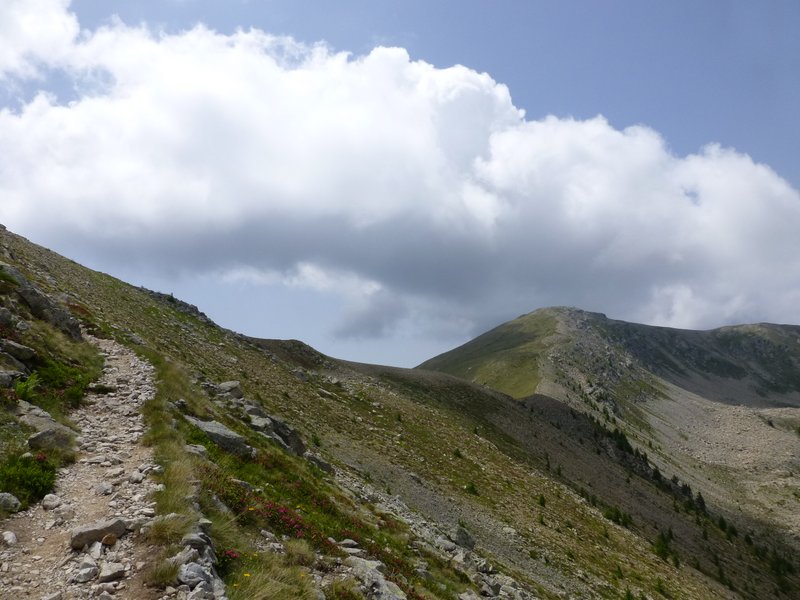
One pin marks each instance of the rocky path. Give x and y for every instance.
(98, 505)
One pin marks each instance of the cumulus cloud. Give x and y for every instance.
(421, 195)
(33, 32)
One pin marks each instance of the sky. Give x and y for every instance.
(386, 180)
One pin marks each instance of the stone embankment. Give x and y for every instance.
(83, 540)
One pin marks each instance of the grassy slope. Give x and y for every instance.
(427, 438)
(505, 358)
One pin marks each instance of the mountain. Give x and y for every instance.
(560, 455)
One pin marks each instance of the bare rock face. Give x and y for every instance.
(95, 532)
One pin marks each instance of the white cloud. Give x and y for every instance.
(421, 195)
(33, 32)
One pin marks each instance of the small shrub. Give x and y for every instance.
(542, 500)
(28, 478)
(457, 453)
(471, 489)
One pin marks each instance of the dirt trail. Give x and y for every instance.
(108, 480)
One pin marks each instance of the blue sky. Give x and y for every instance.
(635, 158)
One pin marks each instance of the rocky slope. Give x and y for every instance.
(300, 476)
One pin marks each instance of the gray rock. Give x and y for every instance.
(85, 574)
(197, 540)
(222, 436)
(42, 306)
(111, 572)
(104, 488)
(95, 532)
(96, 550)
(6, 318)
(136, 477)
(187, 555)
(203, 591)
(315, 460)
(55, 437)
(8, 362)
(9, 538)
(445, 544)
(18, 351)
(260, 423)
(462, 537)
(51, 502)
(53, 596)
(197, 450)
(255, 411)
(230, 388)
(192, 574)
(7, 378)
(9, 502)
(369, 572)
(289, 435)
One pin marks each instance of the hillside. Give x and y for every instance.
(595, 480)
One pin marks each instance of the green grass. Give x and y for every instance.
(505, 358)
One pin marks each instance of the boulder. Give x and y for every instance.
(230, 388)
(18, 351)
(95, 532)
(289, 435)
(462, 537)
(192, 574)
(111, 572)
(6, 318)
(9, 363)
(223, 437)
(9, 502)
(51, 438)
(44, 308)
(318, 462)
